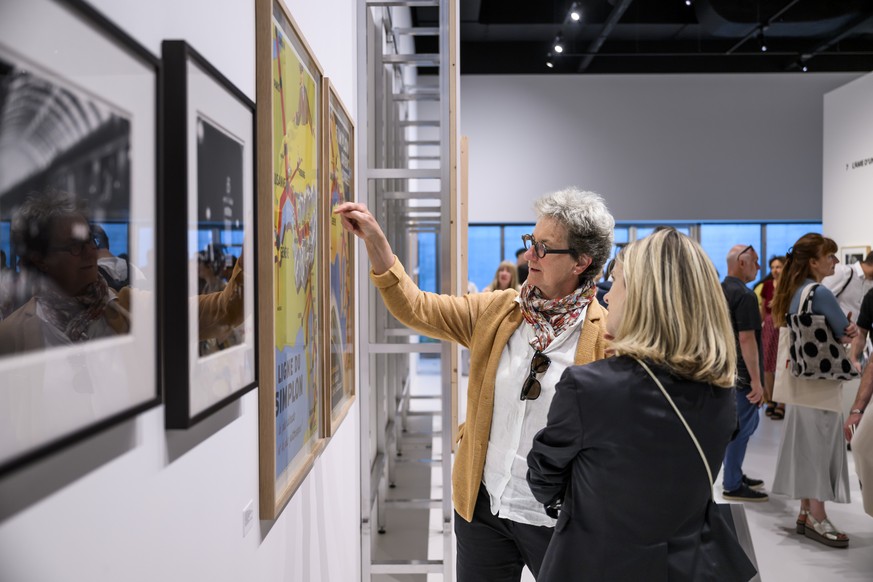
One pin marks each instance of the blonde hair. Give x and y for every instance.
(513, 281)
(675, 312)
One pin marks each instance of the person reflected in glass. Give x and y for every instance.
(69, 301)
(520, 343)
(116, 270)
(210, 268)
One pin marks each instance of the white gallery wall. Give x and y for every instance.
(657, 147)
(138, 503)
(847, 214)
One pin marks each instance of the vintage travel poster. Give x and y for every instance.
(295, 263)
(340, 165)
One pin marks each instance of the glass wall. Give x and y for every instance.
(488, 243)
(717, 240)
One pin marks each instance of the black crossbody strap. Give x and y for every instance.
(682, 418)
(849, 280)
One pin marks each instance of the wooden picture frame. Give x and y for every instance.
(86, 116)
(338, 186)
(207, 225)
(290, 276)
(854, 254)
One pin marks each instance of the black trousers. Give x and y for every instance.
(492, 549)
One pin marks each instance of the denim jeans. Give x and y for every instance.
(747, 417)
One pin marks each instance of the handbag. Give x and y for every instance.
(722, 557)
(821, 394)
(815, 353)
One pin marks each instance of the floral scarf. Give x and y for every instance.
(73, 315)
(549, 318)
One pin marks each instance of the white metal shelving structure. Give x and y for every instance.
(408, 172)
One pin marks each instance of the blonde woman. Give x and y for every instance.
(505, 278)
(614, 456)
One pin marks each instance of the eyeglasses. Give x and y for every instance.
(745, 250)
(538, 365)
(76, 248)
(541, 249)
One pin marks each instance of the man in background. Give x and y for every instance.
(742, 268)
(522, 265)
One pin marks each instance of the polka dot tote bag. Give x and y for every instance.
(815, 353)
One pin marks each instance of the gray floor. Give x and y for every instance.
(781, 553)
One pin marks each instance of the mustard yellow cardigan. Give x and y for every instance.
(482, 322)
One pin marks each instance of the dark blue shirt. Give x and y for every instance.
(745, 316)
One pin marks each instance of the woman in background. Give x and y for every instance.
(505, 278)
(616, 459)
(770, 336)
(812, 464)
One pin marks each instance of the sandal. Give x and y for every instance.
(771, 406)
(800, 524)
(778, 412)
(824, 532)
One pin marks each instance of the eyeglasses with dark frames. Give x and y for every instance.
(76, 248)
(532, 387)
(541, 249)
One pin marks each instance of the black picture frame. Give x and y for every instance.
(62, 395)
(195, 386)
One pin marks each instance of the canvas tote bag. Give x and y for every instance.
(822, 394)
(815, 352)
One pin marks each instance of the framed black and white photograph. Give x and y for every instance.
(206, 241)
(855, 254)
(78, 181)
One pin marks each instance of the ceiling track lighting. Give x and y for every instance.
(762, 43)
(550, 62)
(575, 12)
(559, 45)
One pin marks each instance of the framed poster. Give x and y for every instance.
(289, 254)
(338, 183)
(78, 170)
(206, 213)
(852, 255)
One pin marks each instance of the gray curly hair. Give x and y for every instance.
(589, 225)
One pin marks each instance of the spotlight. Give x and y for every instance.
(761, 41)
(559, 46)
(575, 12)
(687, 2)
(550, 64)
(804, 68)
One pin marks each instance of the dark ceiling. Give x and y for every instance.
(514, 37)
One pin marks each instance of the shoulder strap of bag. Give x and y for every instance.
(684, 423)
(806, 298)
(849, 280)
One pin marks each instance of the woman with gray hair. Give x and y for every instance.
(520, 343)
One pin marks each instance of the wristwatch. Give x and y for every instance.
(856, 411)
